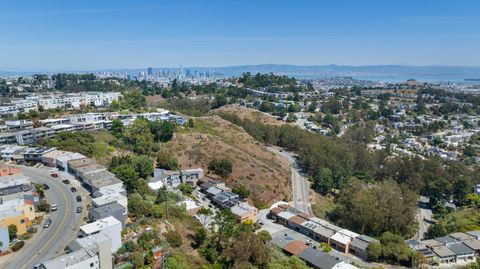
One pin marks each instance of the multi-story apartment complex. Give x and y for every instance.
(59, 100)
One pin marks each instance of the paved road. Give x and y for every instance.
(301, 200)
(424, 216)
(49, 242)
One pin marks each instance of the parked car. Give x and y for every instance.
(73, 189)
(79, 198)
(47, 224)
(45, 186)
(66, 181)
(53, 207)
(79, 209)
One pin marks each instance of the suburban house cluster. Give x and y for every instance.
(18, 200)
(27, 132)
(223, 197)
(456, 248)
(216, 191)
(58, 100)
(310, 254)
(107, 214)
(322, 231)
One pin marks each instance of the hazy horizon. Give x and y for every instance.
(99, 35)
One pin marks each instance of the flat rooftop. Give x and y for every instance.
(99, 225)
(71, 259)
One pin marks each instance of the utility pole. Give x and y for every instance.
(166, 205)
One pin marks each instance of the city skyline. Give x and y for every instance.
(120, 34)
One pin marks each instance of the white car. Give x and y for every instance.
(54, 207)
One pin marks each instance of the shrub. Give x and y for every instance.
(18, 245)
(221, 167)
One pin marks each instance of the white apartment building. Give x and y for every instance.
(110, 226)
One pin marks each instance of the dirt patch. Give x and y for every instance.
(251, 114)
(254, 166)
(154, 99)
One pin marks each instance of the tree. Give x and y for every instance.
(138, 259)
(247, 250)
(437, 230)
(394, 248)
(185, 188)
(291, 117)
(162, 130)
(139, 137)
(221, 167)
(242, 191)
(469, 151)
(143, 166)
(117, 128)
(174, 238)
(12, 231)
(219, 101)
(323, 181)
(149, 259)
(166, 160)
(264, 236)
(43, 206)
(200, 236)
(374, 251)
(191, 123)
(395, 207)
(128, 175)
(325, 247)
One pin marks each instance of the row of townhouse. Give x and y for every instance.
(18, 106)
(456, 248)
(310, 254)
(101, 237)
(59, 100)
(321, 230)
(22, 132)
(18, 200)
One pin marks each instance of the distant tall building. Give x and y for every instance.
(149, 71)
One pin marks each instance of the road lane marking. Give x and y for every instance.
(56, 232)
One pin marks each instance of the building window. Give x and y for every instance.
(22, 221)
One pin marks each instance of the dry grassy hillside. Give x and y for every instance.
(264, 173)
(251, 114)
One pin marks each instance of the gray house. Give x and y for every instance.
(112, 209)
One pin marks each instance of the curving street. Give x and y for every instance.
(49, 242)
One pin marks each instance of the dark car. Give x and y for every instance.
(79, 198)
(47, 224)
(79, 209)
(45, 186)
(66, 181)
(73, 189)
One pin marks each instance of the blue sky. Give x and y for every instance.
(93, 34)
